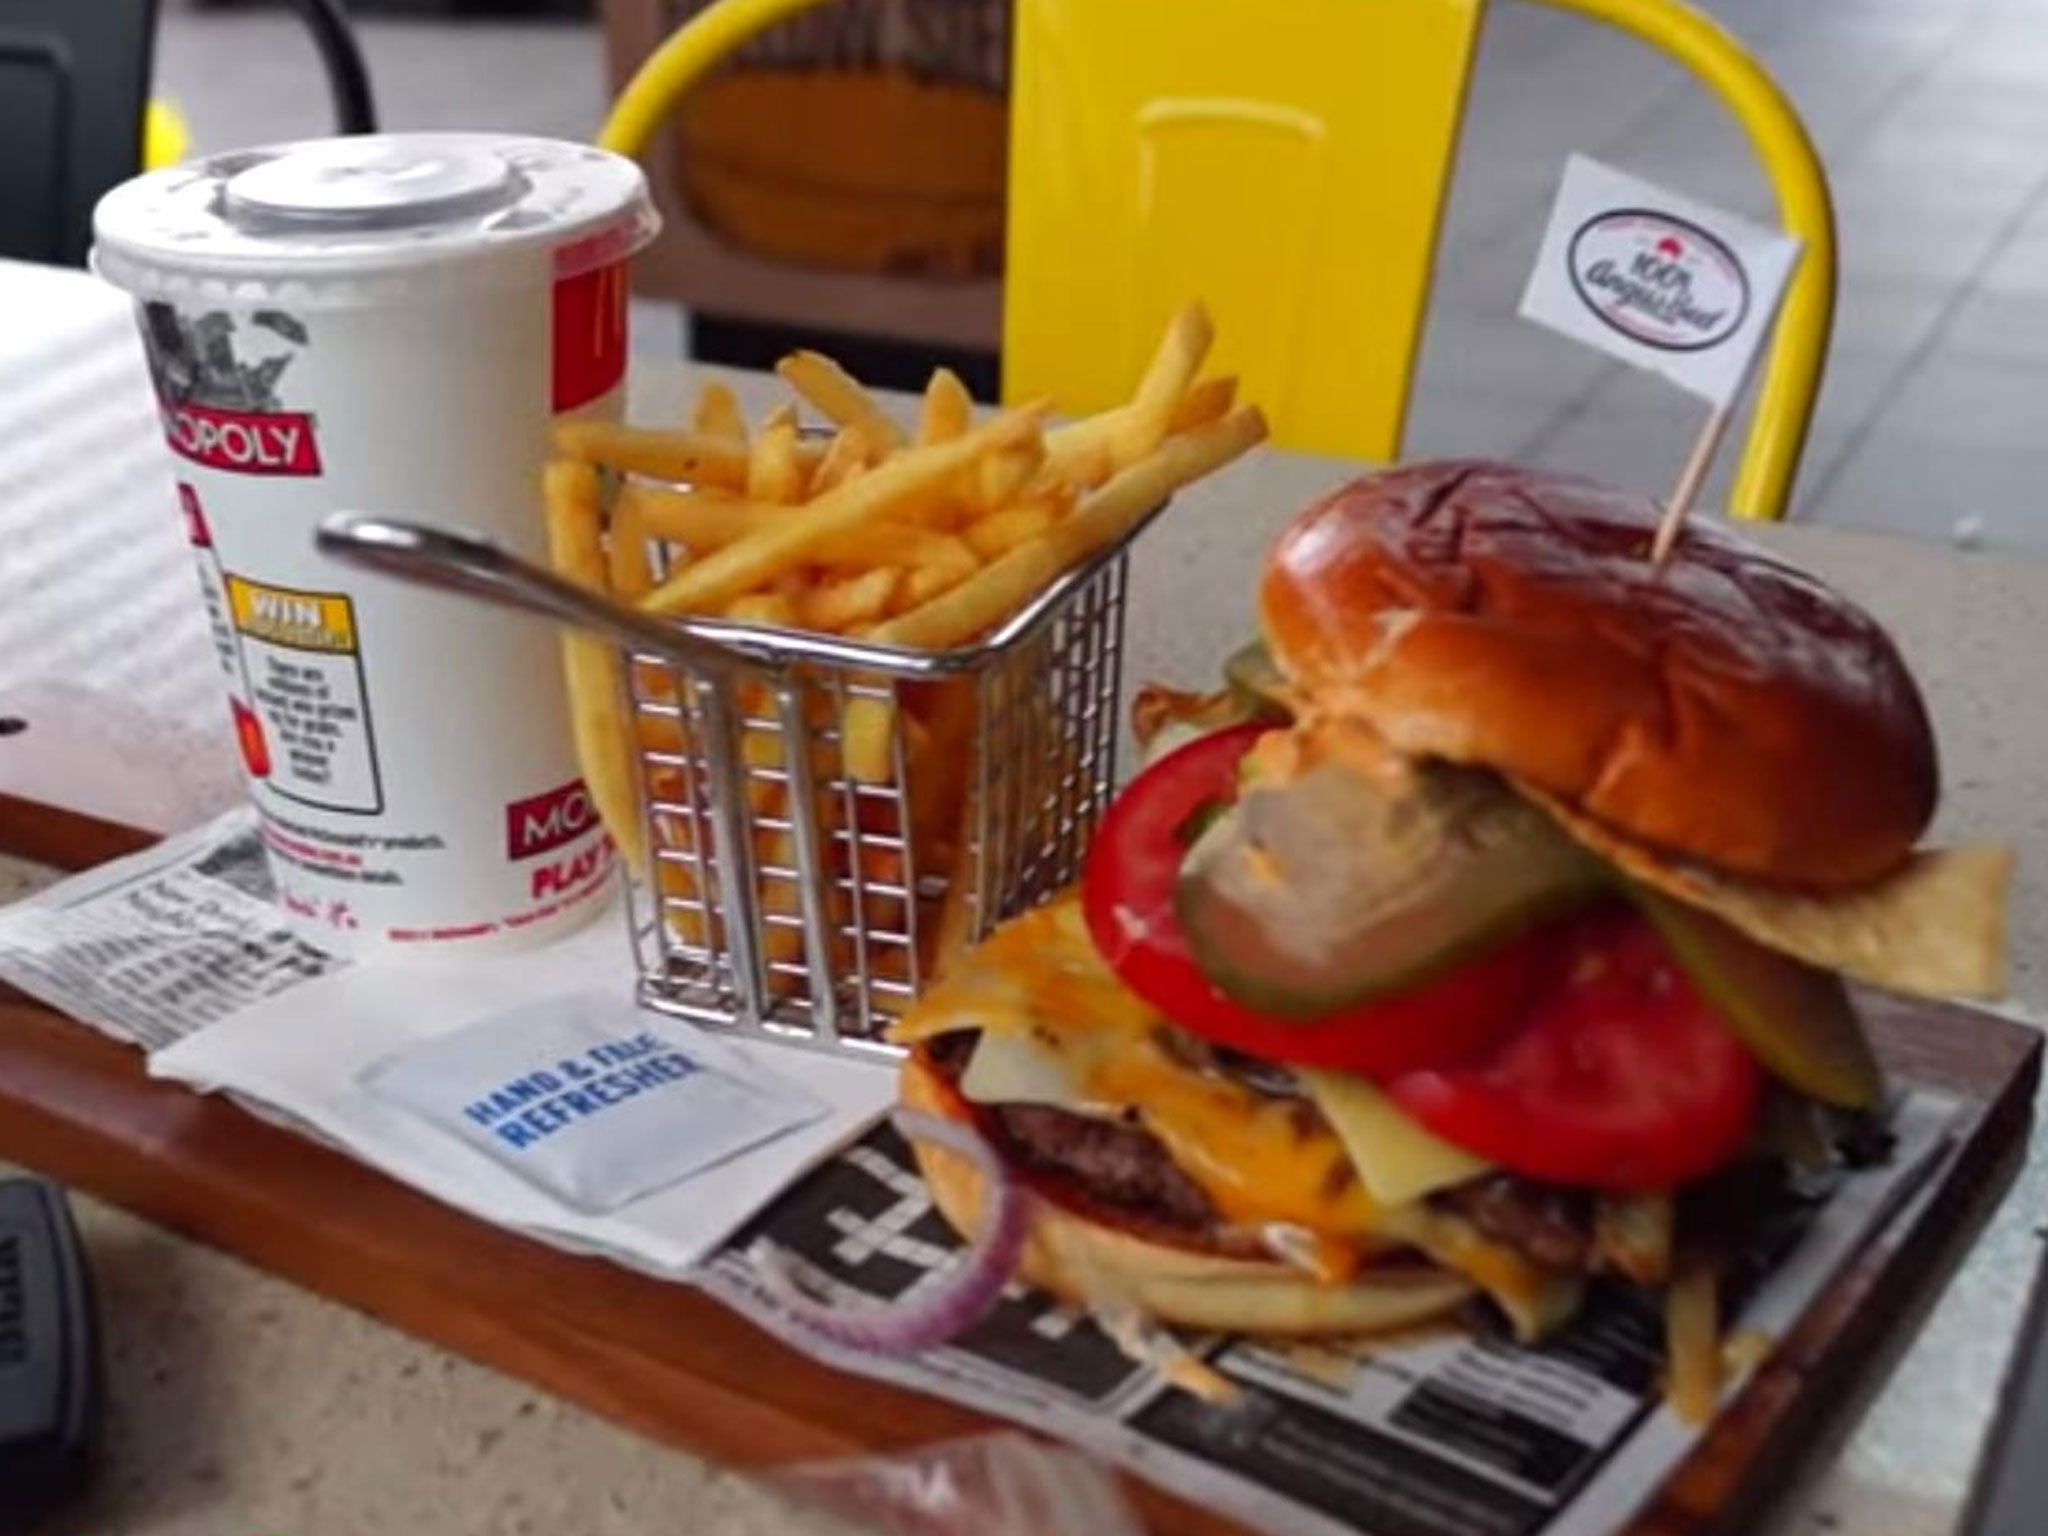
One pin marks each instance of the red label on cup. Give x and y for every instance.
(196, 532)
(243, 442)
(590, 335)
(545, 822)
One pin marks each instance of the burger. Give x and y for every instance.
(1485, 937)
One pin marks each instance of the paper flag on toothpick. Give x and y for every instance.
(1667, 283)
(1661, 281)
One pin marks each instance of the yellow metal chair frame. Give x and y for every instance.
(165, 138)
(1040, 356)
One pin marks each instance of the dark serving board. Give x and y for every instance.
(672, 1364)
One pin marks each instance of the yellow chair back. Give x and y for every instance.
(165, 139)
(1287, 161)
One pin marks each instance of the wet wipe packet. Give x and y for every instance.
(591, 1099)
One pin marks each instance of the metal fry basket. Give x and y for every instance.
(788, 897)
(786, 894)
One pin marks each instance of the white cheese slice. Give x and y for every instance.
(1397, 1160)
(1016, 1069)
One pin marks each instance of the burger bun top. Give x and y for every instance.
(1727, 708)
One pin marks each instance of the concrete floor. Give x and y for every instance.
(1931, 115)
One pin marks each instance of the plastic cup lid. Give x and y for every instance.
(370, 212)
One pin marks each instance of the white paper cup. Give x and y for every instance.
(387, 324)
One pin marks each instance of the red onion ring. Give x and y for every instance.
(946, 1308)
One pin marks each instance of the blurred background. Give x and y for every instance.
(1930, 115)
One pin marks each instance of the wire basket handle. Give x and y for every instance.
(479, 568)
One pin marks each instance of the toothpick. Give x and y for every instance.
(1689, 480)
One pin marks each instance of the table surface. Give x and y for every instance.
(240, 1403)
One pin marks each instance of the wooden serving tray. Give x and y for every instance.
(671, 1363)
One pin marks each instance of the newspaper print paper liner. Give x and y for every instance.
(1440, 1433)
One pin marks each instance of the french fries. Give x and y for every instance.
(869, 741)
(939, 562)
(893, 544)
(999, 477)
(703, 521)
(591, 667)
(627, 563)
(718, 414)
(1167, 378)
(851, 602)
(946, 411)
(692, 457)
(700, 521)
(1000, 532)
(926, 538)
(846, 457)
(1077, 454)
(838, 394)
(889, 487)
(1002, 587)
(1692, 1344)
(774, 472)
(775, 610)
(1204, 402)
(962, 906)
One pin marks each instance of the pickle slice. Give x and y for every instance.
(1795, 1018)
(1259, 686)
(1327, 891)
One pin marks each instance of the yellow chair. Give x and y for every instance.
(165, 138)
(1286, 160)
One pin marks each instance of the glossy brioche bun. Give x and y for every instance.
(1086, 1261)
(1729, 709)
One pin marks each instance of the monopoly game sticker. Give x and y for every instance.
(217, 380)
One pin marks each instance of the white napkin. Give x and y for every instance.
(301, 1054)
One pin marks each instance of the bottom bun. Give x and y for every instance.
(1093, 1265)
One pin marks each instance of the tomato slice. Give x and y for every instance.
(1619, 1076)
(1127, 897)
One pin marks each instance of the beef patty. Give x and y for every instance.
(1119, 1165)
(1125, 1167)
(1544, 1222)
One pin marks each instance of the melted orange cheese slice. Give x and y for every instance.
(1263, 1162)
(1259, 1159)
